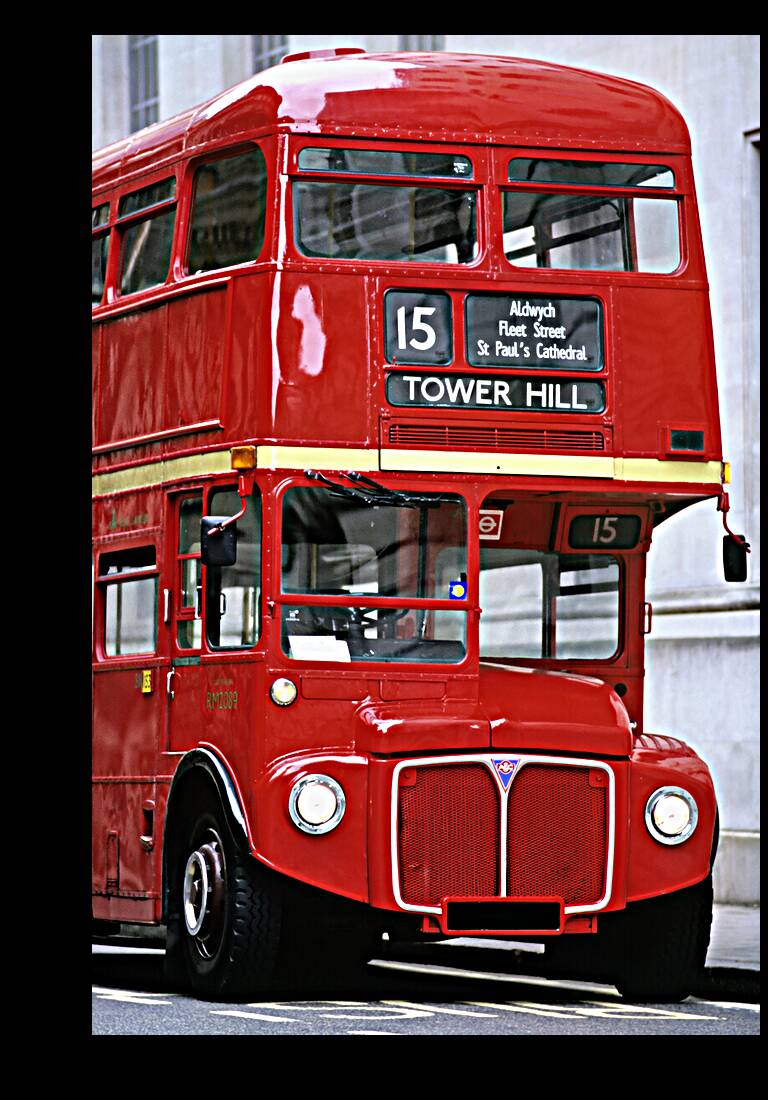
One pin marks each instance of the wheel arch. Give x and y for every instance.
(200, 765)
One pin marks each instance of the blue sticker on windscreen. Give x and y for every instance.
(457, 590)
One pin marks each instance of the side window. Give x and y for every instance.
(228, 212)
(100, 249)
(128, 580)
(188, 579)
(546, 605)
(146, 219)
(233, 593)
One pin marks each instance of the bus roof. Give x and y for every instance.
(418, 97)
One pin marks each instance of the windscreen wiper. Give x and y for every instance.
(395, 495)
(343, 490)
(370, 492)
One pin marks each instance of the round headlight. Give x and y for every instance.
(283, 692)
(316, 804)
(671, 815)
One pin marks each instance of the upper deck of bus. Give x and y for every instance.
(416, 97)
(323, 348)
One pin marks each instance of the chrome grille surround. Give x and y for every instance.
(487, 759)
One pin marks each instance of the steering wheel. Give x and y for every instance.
(355, 619)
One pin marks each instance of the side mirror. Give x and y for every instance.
(735, 557)
(218, 545)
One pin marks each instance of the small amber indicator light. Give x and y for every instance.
(726, 473)
(243, 458)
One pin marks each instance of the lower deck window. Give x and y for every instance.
(233, 593)
(130, 601)
(130, 617)
(373, 634)
(546, 605)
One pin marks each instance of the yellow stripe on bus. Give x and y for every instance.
(372, 461)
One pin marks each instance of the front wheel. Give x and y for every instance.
(229, 910)
(660, 944)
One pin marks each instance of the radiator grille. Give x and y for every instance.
(556, 833)
(495, 438)
(448, 834)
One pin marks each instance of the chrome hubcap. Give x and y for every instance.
(203, 895)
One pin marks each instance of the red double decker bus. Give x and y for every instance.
(399, 361)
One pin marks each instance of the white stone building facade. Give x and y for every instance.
(702, 681)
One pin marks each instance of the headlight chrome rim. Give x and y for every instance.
(333, 820)
(283, 684)
(650, 824)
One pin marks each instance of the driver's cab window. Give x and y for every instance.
(351, 546)
(233, 592)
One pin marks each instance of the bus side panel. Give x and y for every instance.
(249, 384)
(127, 724)
(133, 375)
(195, 364)
(96, 332)
(665, 365)
(321, 387)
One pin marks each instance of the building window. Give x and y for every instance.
(268, 50)
(142, 68)
(421, 42)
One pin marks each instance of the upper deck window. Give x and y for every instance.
(99, 250)
(386, 162)
(146, 244)
(360, 221)
(590, 173)
(578, 230)
(228, 212)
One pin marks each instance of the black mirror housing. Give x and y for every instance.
(735, 557)
(218, 545)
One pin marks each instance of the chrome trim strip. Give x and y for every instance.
(487, 760)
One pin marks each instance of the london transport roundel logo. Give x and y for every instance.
(505, 768)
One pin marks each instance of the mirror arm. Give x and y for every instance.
(723, 505)
(244, 490)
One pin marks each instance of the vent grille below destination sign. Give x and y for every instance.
(519, 330)
(482, 437)
(497, 392)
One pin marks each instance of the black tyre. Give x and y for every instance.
(657, 947)
(225, 931)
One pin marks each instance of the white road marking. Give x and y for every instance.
(515, 979)
(727, 1004)
(330, 1009)
(602, 1011)
(127, 996)
(526, 1009)
(638, 1011)
(373, 1033)
(439, 1008)
(253, 1016)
